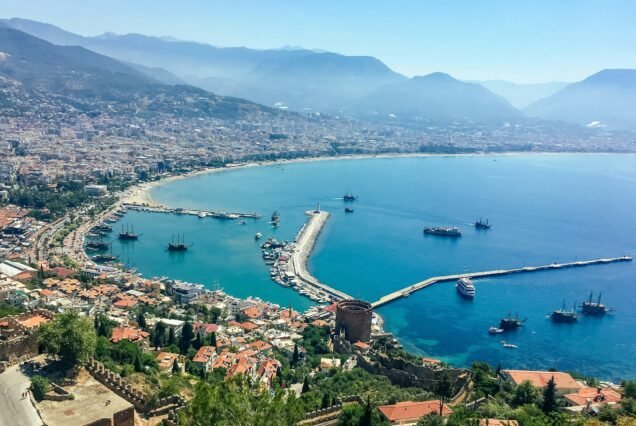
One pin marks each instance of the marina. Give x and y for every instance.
(200, 213)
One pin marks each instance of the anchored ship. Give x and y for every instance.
(563, 315)
(510, 322)
(480, 224)
(349, 197)
(348, 210)
(275, 219)
(178, 245)
(444, 231)
(128, 234)
(594, 308)
(465, 287)
(97, 245)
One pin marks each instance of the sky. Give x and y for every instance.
(524, 41)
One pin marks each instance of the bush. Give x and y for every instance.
(39, 387)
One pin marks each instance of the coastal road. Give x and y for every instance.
(15, 410)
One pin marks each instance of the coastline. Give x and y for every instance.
(141, 194)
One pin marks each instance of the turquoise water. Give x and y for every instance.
(545, 208)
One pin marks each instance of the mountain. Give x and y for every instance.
(437, 97)
(75, 78)
(297, 77)
(317, 81)
(606, 98)
(521, 95)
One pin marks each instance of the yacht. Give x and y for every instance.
(465, 287)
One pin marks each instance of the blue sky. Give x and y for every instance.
(522, 41)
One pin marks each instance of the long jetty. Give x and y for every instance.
(405, 292)
(205, 213)
(304, 245)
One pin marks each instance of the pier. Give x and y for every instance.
(303, 247)
(405, 292)
(200, 213)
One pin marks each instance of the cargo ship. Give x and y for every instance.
(444, 231)
(564, 316)
(480, 224)
(465, 287)
(128, 234)
(594, 308)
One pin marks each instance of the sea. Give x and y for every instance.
(544, 208)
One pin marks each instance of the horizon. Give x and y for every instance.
(564, 42)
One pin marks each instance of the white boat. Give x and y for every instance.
(202, 215)
(258, 236)
(465, 287)
(495, 330)
(510, 346)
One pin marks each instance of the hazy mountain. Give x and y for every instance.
(521, 95)
(85, 80)
(318, 81)
(437, 97)
(605, 98)
(294, 76)
(158, 74)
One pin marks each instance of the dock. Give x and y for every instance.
(200, 213)
(405, 292)
(303, 247)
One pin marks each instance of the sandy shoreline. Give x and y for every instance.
(141, 194)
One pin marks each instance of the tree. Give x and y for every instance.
(295, 356)
(138, 366)
(525, 394)
(629, 388)
(141, 321)
(176, 369)
(305, 385)
(186, 338)
(443, 390)
(158, 340)
(215, 313)
(431, 420)
(197, 342)
(212, 339)
(39, 387)
(549, 397)
(171, 337)
(69, 336)
(235, 402)
(367, 414)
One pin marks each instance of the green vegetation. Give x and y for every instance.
(65, 196)
(69, 336)
(235, 402)
(7, 310)
(39, 387)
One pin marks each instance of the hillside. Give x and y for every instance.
(521, 95)
(607, 98)
(436, 97)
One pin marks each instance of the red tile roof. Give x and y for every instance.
(127, 333)
(540, 379)
(496, 422)
(409, 410)
(594, 395)
(204, 354)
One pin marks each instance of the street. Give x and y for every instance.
(15, 410)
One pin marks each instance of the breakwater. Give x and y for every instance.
(405, 292)
(200, 213)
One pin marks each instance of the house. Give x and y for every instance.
(253, 312)
(565, 383)
(166, 361)
(248, 326)
(409, 412)
(329, 363)
(204, 357)
(260, 346)
(592, 396)
(174, 324)
(267, 371)
(204, 329)
(129, 333)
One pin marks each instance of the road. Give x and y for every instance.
(15, 410)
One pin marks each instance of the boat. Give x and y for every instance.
(509, 346)
(564, 316)
(495, 330)
(349, 197)
(348, 210)
(128, 233)
(242, 222)
(201, 215)
(97, 245)
(480, 224)
(444, 231)
(594, 308)
(258, 236)
(103, 228)
(275, 217)
(465, 287)
(510, 322)
(178, 245)
(104, 258)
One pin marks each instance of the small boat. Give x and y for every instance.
(444, 231)
(349, 197)
(495, 330)
(178, 245)
(348, 210)
(258, 236)
(510, 346)
(242, 222)
(201, 215)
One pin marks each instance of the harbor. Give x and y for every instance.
(199, 213)
(405, 292)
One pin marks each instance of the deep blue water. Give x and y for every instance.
(544, 208)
